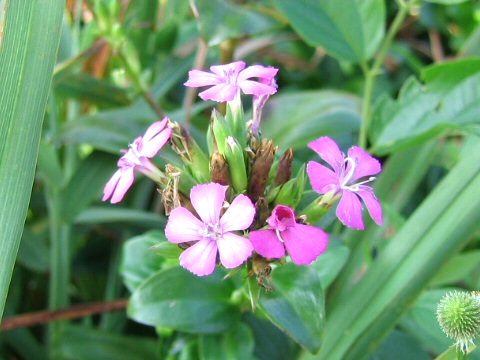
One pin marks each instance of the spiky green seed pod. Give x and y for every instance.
(458, 313)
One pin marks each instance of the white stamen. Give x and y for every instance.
(348, 177)
(279, 236)
(353, 165)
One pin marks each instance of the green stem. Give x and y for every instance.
(59, 266)
(139, 86)
(371, 73)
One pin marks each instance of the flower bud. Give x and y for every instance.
(235, 119)
(320, 206)
(236, 164)
(291, 192)
(219, 169)
(458, 313)
(261, 164)
(284, 172)
(220, 130)
(192, 155)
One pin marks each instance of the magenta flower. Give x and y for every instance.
(304, 243)
(227, 80)
(137, 158)
(213, 232)
(343, 180)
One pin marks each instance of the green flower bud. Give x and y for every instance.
(236, 164)
(236, 120)
(458, 313)
(220, 130)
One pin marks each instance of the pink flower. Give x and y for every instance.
(304, 243)
(344, 180)
(227, 80)
(137, 158)
(211, 232)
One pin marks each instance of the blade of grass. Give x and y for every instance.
(27, 57)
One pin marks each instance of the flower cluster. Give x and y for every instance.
(236, 209)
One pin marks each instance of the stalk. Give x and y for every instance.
(371, 73)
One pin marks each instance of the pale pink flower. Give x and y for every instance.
(136, 159)
(344, 179)
(227, 80)
(304, 243)
(212, 233)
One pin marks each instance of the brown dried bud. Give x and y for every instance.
(219, 169)
(284, 172)
(170, 194)
(261, 164)
(262, 212)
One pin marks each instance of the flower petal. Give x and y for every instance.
(372, 203)
(260, 71)
(200, 258)
(219, 93)
(198, 78)
(183, 226)
(232, 68)
(322, 178)
(153, 146)
(124, 183)
(267, 244)
(256, 88)
(234, 250)
(239, 215)
(111, 184)
(305, 243)
(154, 129)
(349, 210)
(282, 217)
(365, 164)
(328, 150)
(207, 199)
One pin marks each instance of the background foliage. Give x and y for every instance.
(402, 78)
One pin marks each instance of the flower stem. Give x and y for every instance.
(371, 73)
(139, 86)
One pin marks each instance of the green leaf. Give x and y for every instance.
(450, 99)
(85, 87)
(296, 305)
(120, 215)
(139, 261)
(329, 264)
(350, 30)
(33, 253)
(235, 21)
(82, 343)
(293, 120)
(86, 184)
(236, 343)
(400, 346)
(27, 57)
(437, 229)
(270, 342)
(457, 269)
(49, 166)
(177, 299)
